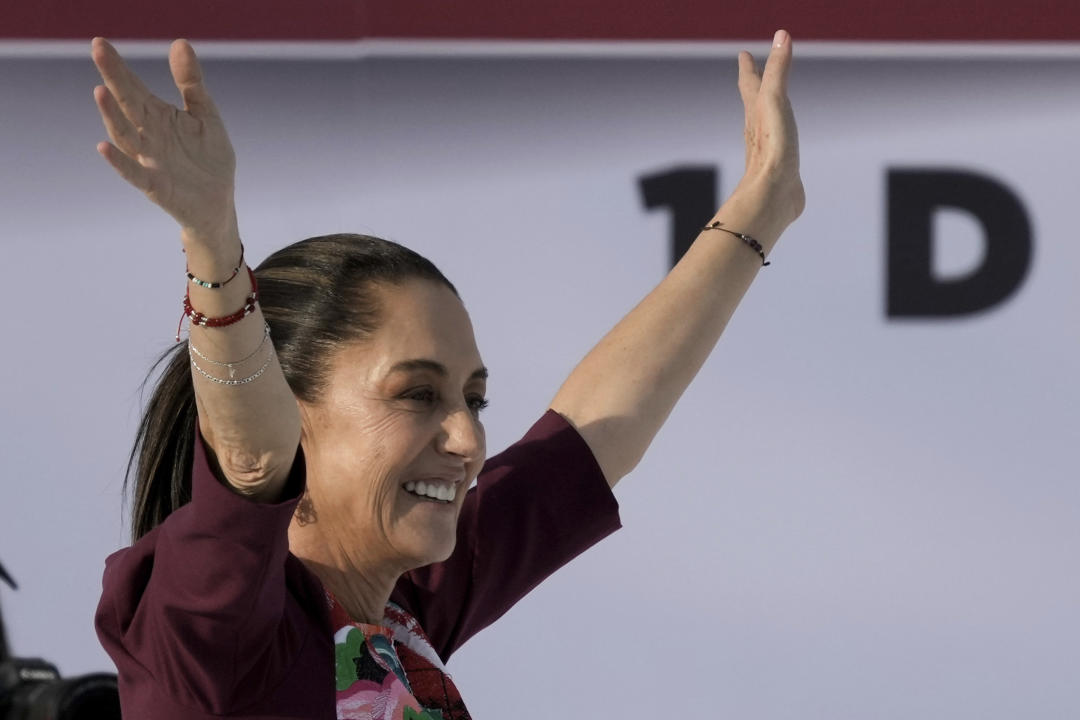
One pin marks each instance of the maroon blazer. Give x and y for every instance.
(210, 615)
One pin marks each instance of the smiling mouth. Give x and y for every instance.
(436, 492)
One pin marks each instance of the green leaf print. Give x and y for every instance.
(344, 654)
(411, 714)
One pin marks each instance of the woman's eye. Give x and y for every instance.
(428, 396)
(424, 395)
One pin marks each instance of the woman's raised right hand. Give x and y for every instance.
(181, 158)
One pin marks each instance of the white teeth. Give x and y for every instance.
(445, 493)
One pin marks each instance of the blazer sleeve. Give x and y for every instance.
(536, 506)
(198, 604)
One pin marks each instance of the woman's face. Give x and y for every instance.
(396, 439)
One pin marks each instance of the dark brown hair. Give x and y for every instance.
(315, 294)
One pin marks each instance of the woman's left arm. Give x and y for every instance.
(623, 390)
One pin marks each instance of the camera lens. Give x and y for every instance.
(80, 698)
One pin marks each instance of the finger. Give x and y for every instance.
(126, 87)
(126, 166)
(749, 79)
(778, 65)
(188, 76)
(121, 131)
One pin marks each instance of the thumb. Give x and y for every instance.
(187, 74)
(749, 79)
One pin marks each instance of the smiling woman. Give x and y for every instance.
(304, 543)
(403, 407)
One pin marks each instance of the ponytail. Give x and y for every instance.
(161, 460)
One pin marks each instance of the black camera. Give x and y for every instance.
(32, 689)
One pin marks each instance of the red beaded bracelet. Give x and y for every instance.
(197, 318)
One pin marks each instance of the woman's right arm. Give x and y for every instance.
(181, 158)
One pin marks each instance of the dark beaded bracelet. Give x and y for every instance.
(197, 318)
(754, 244)
(223, 283)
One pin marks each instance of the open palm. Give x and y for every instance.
(181, 158)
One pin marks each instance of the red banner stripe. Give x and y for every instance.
(663, 20)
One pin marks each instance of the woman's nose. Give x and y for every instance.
(463, 435)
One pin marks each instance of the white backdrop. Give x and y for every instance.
(845, 517)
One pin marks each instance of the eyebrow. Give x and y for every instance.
(433, 366)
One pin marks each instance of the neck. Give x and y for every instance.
(360, 584)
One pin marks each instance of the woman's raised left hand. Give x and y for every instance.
(623, 390)
(772, 140)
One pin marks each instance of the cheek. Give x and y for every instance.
(371, 462)
(352, 437)
(349, 463)
(379, 476)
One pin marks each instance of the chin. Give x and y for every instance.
(433, 549)
(428, 533)
(444, 553)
